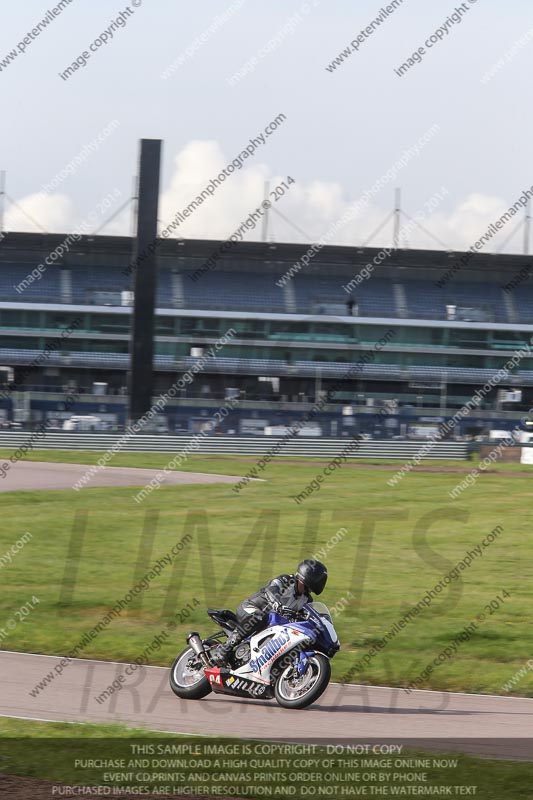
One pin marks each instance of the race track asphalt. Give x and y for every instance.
(493, 726)
(34, 475)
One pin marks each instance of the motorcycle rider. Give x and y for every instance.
(289, 592)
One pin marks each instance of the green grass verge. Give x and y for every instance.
(399, 542)
(50, 751)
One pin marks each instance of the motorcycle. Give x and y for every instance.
(288, 660)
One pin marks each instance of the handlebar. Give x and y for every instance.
(290, 613)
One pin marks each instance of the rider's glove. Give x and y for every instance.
(287, 612)
(284, 611)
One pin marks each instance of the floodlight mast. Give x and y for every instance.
(141, 376)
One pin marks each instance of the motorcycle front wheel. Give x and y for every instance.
(300, 691)
(187, 677)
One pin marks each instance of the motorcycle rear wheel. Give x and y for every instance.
(300, 692)
(185, 682)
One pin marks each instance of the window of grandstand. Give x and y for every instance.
(105, 298)
(109, 323)
(17, 319)
(165, 326)
(200, 326)
(473, 314)
(274, 382)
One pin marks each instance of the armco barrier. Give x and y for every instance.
(236, 445)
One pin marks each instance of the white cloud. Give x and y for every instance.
(311, 206)
(51, 212)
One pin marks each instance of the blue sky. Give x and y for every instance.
(343, 129)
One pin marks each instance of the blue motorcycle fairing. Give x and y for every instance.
(304, 626)
(313, 628)
(276, 619)
(302, 661)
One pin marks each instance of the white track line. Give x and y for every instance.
(114, 722)
(41, 719)
(91, 660)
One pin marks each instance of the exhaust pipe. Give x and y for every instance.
(194, 641)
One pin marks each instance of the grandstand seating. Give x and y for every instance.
(257, 291)
(46, 289)
(484, 295)
(424, 300)
(523, 300)
(229, 290)
(165, 296)
(96, 279)
(374, 297)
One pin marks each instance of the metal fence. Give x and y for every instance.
(234, 445)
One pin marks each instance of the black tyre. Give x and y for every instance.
(188, 680)
(300, 692)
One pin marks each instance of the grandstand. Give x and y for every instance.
(296, 337)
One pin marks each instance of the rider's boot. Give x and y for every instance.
(221, 654)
